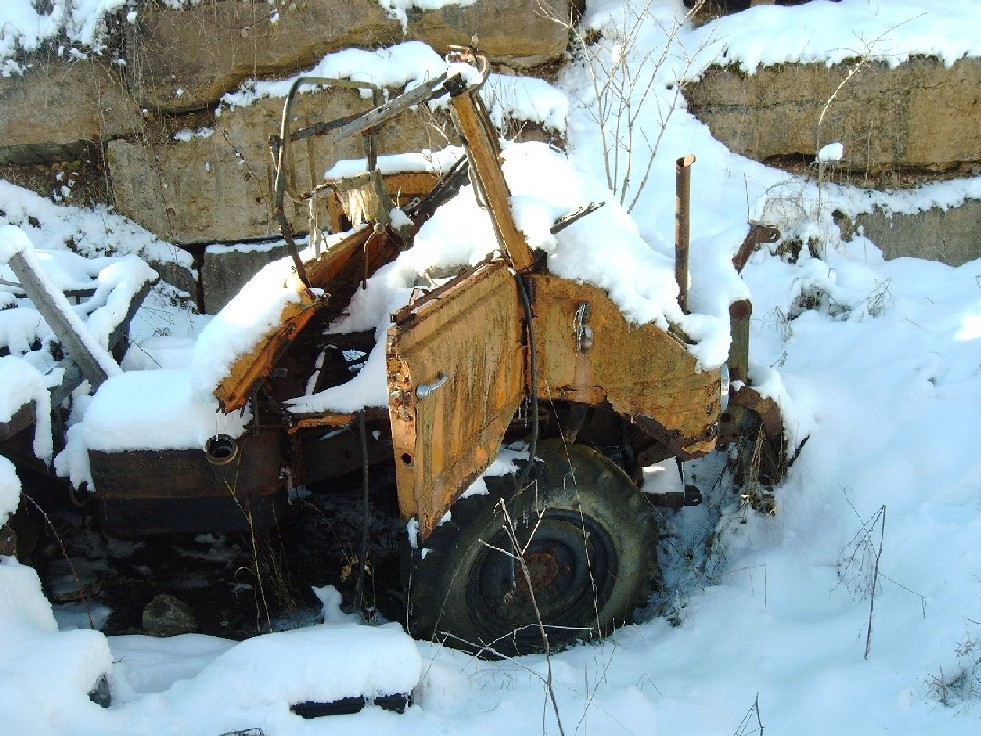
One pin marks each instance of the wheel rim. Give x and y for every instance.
(571, 561)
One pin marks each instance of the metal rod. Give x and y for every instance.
(682, 203)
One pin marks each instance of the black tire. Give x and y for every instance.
(589, 544)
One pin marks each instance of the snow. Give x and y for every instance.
(408, 64)
(878, 30)
(831, 152)
(155, 409)
(89, 232)
(877, 363)
(25, 28)
(23, 385)
(51, 694)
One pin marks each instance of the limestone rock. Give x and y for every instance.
(166, 615)
(227, 269)
(919, 115)
(947, 235)
(185, 59)
(58, 107)
(218, 186)
(520, 32)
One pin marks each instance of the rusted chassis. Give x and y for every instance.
(462, 362)
(459, 375)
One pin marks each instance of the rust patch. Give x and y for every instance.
(642, 371)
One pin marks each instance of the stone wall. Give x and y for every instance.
(143, 120)
(58, 107)
(188, 58)
(920, 115)
(900, 126)
(216, 185)
(172, 66)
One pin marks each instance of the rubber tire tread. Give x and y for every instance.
(438, 583)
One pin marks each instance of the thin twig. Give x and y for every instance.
(875, 579)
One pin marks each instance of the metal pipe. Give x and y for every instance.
(740, 312)
(682, 203)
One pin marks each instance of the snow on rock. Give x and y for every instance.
(94, 231)
(45, 674)
(878, 30)
(411, 63)
(831, 152)
(318, 663)
(402, 65)
(23, 26)
(398, 9)
(205, 685)
(529, 99)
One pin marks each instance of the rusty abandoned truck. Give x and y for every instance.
(504, 352)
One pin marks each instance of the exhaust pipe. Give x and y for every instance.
(221, 449)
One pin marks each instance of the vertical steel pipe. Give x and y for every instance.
(682, 202)
(740, 312)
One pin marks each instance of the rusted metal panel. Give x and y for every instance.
(594, 356)
(405, 186)
(249, 369)
(456, 377)
(21, 419)
(153, 491)
(342, 268)
(227, 514)
(757, 235)
(330, 420)
(176, 474)
(740, 312)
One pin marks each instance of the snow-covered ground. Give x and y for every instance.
(855, 609)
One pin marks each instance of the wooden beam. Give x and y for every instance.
(94, 361)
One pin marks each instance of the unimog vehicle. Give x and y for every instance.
(503, 354)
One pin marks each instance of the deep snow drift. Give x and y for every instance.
(768, 623)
